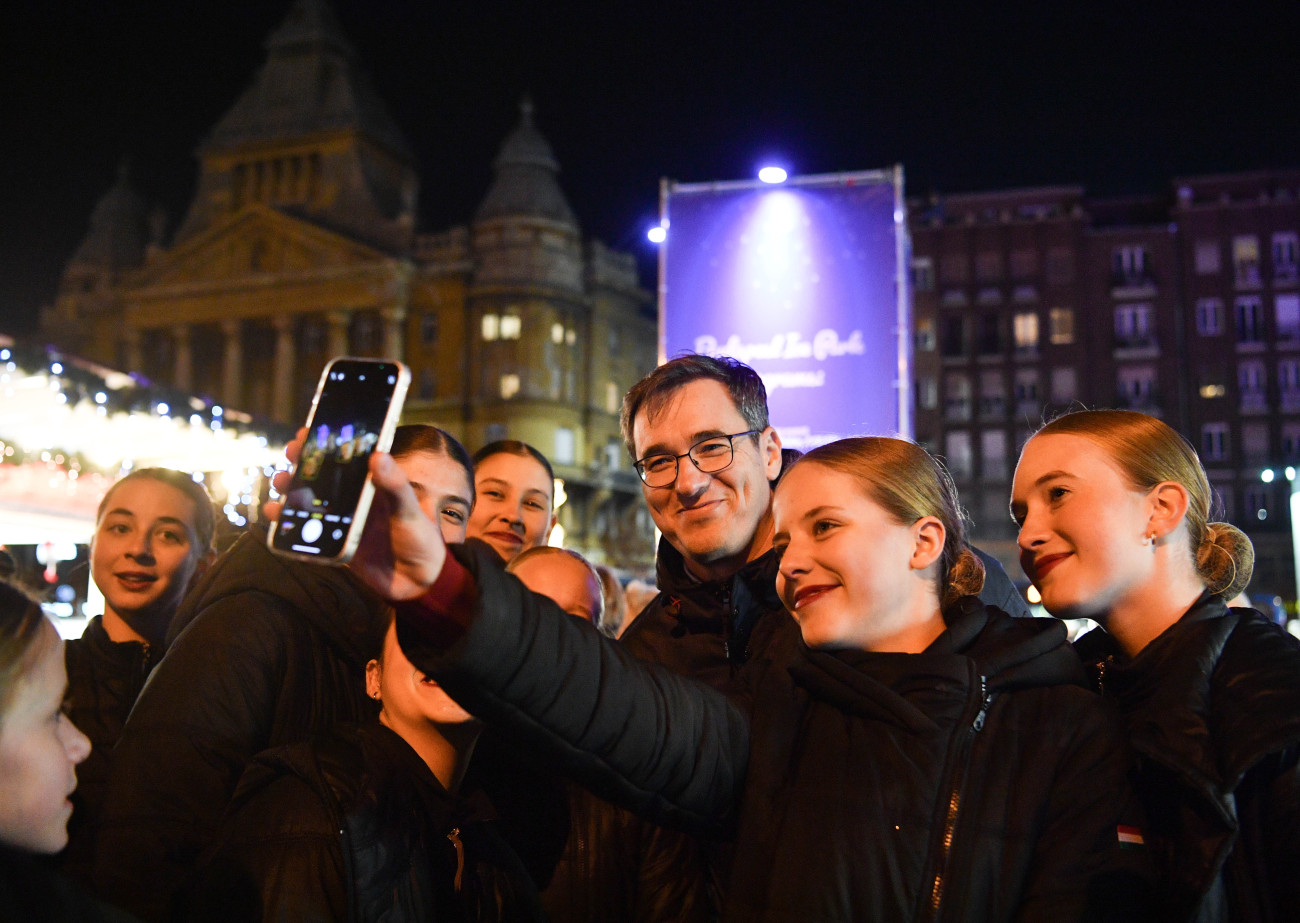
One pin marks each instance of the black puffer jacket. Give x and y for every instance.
(265, 651)
(1213, 711)
(976, 781)
(104, 679)
(352, 826)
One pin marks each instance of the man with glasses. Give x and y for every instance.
(708, 458)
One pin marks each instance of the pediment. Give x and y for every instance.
(256, 243)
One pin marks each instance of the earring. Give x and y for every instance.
(375, 696)
(1149, 538)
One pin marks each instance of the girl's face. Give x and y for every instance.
(39, 752)
(513, 509)
(1082, 525)
(443, 489)
(850, 574)
(410, 700)
(146, 549)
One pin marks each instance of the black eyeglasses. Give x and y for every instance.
(709, 455)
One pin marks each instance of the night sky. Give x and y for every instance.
(1116, 97)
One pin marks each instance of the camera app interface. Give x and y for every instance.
(331, 473)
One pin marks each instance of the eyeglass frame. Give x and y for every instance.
(677, 459)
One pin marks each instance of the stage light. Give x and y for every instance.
(657, 234)
(772, 175)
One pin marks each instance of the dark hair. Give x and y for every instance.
(909, 483)
(653, 391)
(424, 437)
(1149, 452)
(204, 514)
(20, 631)
(513, 447)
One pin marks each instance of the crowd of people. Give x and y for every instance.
(834, 709)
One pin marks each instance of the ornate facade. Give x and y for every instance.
(301, 244)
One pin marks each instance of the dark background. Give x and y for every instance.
(1117, 97)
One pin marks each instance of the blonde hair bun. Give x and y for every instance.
(1225, 560)
(965, 578)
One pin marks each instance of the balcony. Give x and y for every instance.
(1136, 346)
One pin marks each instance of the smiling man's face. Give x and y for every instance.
(719, 520)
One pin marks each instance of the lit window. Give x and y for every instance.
(1288, 376)
(1135, 387)
(957, 449)
(1061, 322)
(923, 274)
(570, 336)
(509, 386)
(925, 338)
(1129, 265)
(557, 333)
(993, 452)
(1288, 317)
(1286, 251)
(1214, 441)
(1291, 441)
(1245, 259)
(1250, 319)
(564, 446)
(612, 401)
(1209, 317)
(1207, 257)
(957, 396)
(491, 327)
(510, 326)
(927, 393)
(1133, 325)
(1026, 330)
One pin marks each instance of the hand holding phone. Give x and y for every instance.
(401, 552)
(353, 415)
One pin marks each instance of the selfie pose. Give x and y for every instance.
(921, 756)
(1113, 508)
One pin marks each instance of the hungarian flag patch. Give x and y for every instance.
(1130, 837)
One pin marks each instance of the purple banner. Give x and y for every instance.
(801, 281)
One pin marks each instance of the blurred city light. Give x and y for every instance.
(657, 234)
(772, 174)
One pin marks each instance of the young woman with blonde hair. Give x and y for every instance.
(1114, 509)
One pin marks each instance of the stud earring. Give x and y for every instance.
(1149, 539)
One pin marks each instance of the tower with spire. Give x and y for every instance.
(301, 243)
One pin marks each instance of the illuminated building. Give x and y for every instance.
(1186, 306)
(301, 244)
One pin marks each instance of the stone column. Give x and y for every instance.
(183, 373)
(394, 320)
(338, 337)
(232, 362)
(282, 398)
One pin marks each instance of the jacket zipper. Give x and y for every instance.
(955, 799)
(454, 836)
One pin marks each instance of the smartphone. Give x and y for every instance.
(353, 414)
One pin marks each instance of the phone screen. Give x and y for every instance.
(324, 509)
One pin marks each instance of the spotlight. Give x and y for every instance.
(772, 175)
(657, 234)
